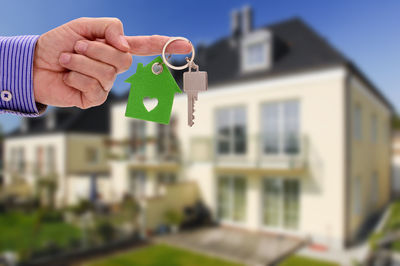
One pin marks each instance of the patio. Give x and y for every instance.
(251, 248)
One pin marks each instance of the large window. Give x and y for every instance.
(374, 128)
(232, 198)
(374, 190)
(231, 131)
(17, 162)
(51, 160)
(357, 201)
(137, 134)
(281, 202)
(280, 127)
(357, 122)
(137, 184)
(167, 141)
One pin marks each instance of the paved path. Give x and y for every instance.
(235, 245)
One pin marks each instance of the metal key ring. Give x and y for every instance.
(189, 63)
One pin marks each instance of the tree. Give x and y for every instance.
(396, 122)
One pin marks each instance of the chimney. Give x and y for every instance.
(235, 23)
(247, 20)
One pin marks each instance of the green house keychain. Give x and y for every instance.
(152, 92)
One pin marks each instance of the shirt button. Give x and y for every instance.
(6, 96)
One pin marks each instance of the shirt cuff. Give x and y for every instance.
(16, 76)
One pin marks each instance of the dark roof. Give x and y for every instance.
(296, 47)
(70, 120)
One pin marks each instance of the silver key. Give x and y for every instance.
(193, 82)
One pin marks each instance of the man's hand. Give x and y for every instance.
(76, 63)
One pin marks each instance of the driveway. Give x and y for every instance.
(251, 248)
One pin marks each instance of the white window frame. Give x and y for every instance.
(231, 206)
(262, 37)
(231, 137)
(357, 122)
(357, 207)
(281, 205)
(374, 128)
(281, 131)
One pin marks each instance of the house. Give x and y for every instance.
(65, 149)
(291, 137)
(396, 165)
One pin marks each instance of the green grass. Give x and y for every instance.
(303, 261)
(21, 231)
(159, 254)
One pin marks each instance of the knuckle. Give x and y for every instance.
(110, 73)
(126, 62)
(93, 84)
(116, 21)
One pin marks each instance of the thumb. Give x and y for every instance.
(110, 29)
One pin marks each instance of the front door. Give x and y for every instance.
(232, 198)
(280, 204)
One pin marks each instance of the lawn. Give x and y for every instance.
(20, 231)
(302, 261)
(159, 254)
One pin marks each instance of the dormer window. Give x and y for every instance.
(256, 51)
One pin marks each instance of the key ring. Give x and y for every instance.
(189, 63)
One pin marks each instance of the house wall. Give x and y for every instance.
(367, 156)
(78, 146)
(321, 95)
(396, 165)
(156, 207)
(30, 144)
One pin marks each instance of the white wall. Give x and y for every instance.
(30, 143)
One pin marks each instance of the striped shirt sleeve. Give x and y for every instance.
(16, 76)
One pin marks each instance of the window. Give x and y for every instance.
(137, 184)
(51, 157)
(167, 142)
(18, 163)
(39, 160)
(137, 133)
(281, 202)
(255, 54)
(280, 127)
(163, 179)
(92, 155)
(357, 123)
(166, 178)
(231, 131)
(357, 207)
(374, 128)
(256, 51)
(232, 198)
(374, 190)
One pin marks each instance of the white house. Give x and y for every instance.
(290, 137)
(67, 147)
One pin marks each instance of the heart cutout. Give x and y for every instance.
(150, 103)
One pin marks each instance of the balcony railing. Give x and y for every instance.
(253, 158)
(147, 150)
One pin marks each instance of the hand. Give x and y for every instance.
(76, 64)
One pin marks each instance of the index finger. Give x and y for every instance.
(153, 45)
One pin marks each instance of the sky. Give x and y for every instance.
(366, 31)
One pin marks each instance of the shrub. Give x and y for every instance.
(106, 231)
(173, 217)
(51, 216)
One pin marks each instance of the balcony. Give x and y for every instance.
(144, 153)
(254, 161)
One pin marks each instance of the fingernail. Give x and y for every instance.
(124, 42)
(65, 58)
(81, 46)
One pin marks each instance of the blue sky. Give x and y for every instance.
(366, 31)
